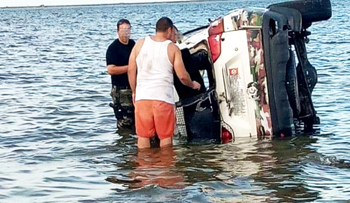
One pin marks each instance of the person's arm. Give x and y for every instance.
(116, 70)
(113, 69)
(180, 70)
(132, 69)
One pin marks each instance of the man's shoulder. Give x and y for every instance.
(139, 43)
(141, 40)
(172, 47)
(132, 42)
(113, 44)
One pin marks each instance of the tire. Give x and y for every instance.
(292, 85)
(311, 10)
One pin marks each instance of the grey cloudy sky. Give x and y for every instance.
(4, 3)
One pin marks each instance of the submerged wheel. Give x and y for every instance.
(292, 85)
(311, 10)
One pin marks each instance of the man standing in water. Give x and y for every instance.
(117, 58)
(151, 66)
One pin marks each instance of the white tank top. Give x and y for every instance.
(155, 80)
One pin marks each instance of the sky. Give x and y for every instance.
(4, 3)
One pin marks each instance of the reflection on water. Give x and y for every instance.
(58, 139)
(157, 167)
(247, 170)
(153, 167)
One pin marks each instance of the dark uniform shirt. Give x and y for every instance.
(118, 54)
(193, 63)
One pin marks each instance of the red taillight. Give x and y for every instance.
(216, 27)
(215, 32)
(226, 136)
(215, 46)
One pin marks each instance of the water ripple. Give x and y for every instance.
(58, 138)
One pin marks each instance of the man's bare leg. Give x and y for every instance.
(167, 142)
(143, 143)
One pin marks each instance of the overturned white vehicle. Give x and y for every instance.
(259, 80)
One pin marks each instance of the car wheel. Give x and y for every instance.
(311, 10)
(292, 85)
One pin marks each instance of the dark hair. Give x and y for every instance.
(122, 21)
(163, 24)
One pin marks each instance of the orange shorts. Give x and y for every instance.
(154, 117)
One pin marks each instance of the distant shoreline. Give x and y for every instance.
(107, 4)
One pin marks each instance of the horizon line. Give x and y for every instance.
(102, 4)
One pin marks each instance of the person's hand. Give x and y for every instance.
(196, 85)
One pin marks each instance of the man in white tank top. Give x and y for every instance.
(152, 63)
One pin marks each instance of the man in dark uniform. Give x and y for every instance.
(117, 58)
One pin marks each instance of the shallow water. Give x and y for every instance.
(58, 141)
